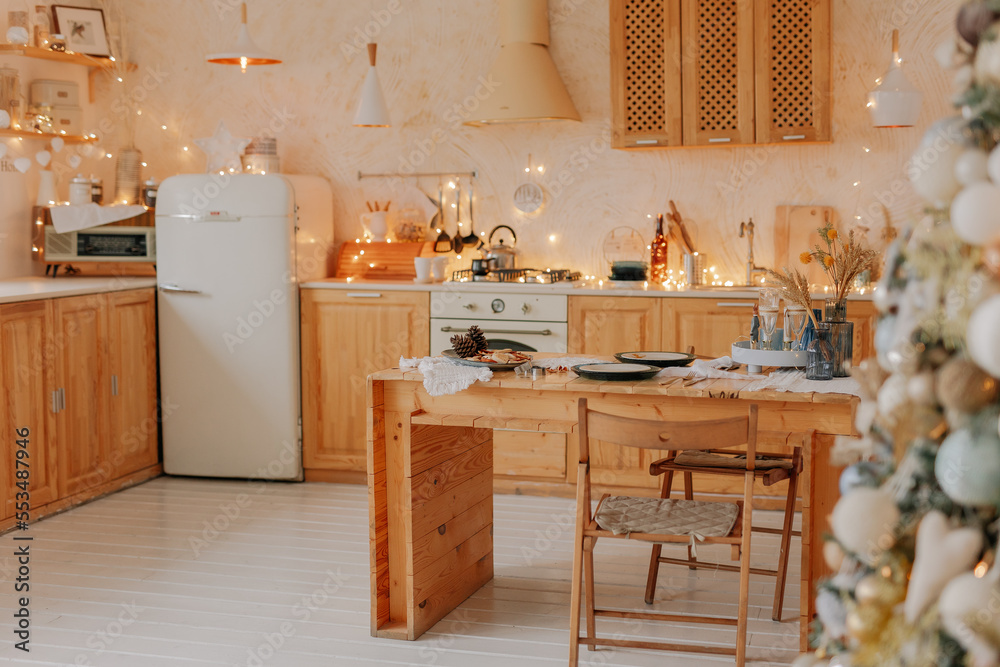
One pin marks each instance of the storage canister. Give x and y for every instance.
(79, 190)
(53, 93)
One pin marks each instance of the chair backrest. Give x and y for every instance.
(669, 435)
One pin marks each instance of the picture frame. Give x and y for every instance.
(83, 29)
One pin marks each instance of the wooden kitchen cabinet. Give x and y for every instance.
(709, 325)
(82, 427)
(719, 72)
(80, 373)
(603, 325)
(132, 367)
(346, 335)
(26, 399)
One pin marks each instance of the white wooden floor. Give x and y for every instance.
(182, 571)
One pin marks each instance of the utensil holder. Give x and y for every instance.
(694, 268)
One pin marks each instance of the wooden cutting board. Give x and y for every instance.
(795, 232)
(392, 261)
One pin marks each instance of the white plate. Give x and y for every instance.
(612, 371)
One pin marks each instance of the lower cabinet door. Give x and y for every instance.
(132, 381)
(708, 325)
(346, 335)
(26, 403)
(80, 334)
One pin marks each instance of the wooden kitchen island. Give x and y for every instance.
(430, 472)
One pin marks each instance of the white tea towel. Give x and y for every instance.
(442, 377)
(706, 368)
(791, 380)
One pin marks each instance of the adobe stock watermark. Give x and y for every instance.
(102, 640)
(579, 162)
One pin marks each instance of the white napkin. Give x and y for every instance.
(442, 377)
(793, 380)
(706, 368)
(74, 218)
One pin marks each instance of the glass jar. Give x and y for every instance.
(834, 310)
(841, 336)
(819, 354)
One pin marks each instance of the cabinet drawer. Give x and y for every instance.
(529, 454)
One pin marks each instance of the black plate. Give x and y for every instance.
(615, 372)
(660, 359)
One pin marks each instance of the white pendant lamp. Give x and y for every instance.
(372, 111)
(525, 85)
(245, 52)
(896, 101)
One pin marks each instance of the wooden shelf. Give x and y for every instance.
(68, 138)
(59, 56)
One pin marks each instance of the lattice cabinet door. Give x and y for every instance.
(717, 56)
(645, 73)
(794, 98)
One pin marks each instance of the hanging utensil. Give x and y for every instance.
(471, 238)
(457, 243)
(443, 242)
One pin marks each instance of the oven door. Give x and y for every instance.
(502, 334)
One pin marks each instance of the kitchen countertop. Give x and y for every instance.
(578, 288)
(34, 287)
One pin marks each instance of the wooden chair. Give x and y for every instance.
(770, 469)
(664, 520)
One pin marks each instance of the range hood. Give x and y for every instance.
(528, 86)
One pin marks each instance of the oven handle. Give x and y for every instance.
(543, 332)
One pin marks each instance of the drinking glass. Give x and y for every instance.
(769, 297)
(795, 324)
(768, 323)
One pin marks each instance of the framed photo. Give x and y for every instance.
(83, 28)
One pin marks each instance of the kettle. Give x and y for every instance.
(502, 256)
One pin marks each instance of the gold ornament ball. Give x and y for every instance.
(874, 589)
(866, 622)
(833, 555)
(965, 387)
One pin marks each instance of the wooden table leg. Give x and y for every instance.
(432, 521)
(820, 493)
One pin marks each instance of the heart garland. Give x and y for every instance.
(941, 555)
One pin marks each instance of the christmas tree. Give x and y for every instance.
(914, 535)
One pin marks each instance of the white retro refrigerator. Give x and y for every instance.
(229, 261)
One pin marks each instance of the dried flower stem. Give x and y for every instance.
(796, 289)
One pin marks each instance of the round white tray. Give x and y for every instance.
(757, 359)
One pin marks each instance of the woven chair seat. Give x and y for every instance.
(623, 515)
(699, 459)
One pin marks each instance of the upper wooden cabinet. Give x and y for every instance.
(719, 72)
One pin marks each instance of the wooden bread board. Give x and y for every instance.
(795, 232)
(392, 261)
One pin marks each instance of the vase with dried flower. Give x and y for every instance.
(842, 262)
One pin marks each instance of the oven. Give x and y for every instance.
(518, 321)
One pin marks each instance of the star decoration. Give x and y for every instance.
(222, 150)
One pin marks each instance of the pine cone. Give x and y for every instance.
(463, 345)
(479, 338)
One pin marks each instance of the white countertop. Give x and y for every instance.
(579, 288)
(31, 288)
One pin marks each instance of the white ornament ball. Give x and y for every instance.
(920, 388)
(864, 521)
(968, 468)
(971, 166)
(932, 167)
(981, 337)
(964, 596)
(974, 213)
(4, 120)
(833, 555)
(892, 394)
(993, 165)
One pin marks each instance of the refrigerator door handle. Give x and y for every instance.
(169, 287)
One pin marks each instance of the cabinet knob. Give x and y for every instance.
(469, 306)
(525, 308)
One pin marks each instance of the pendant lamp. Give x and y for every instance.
(245, 52)
(372, 111)
(896, 101)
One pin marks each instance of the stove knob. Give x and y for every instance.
(498, 305)
(469, 306)
(525, 308)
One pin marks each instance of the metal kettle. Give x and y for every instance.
(502, 256)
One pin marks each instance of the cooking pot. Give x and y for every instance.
(502, 256)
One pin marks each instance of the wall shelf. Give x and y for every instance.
(95, 63)
(68, 138)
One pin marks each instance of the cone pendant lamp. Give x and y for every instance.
(372, 111)
(896, 101)
(244, 53)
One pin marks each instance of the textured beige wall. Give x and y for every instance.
(431, 55)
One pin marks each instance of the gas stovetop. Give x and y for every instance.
(527, 276)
